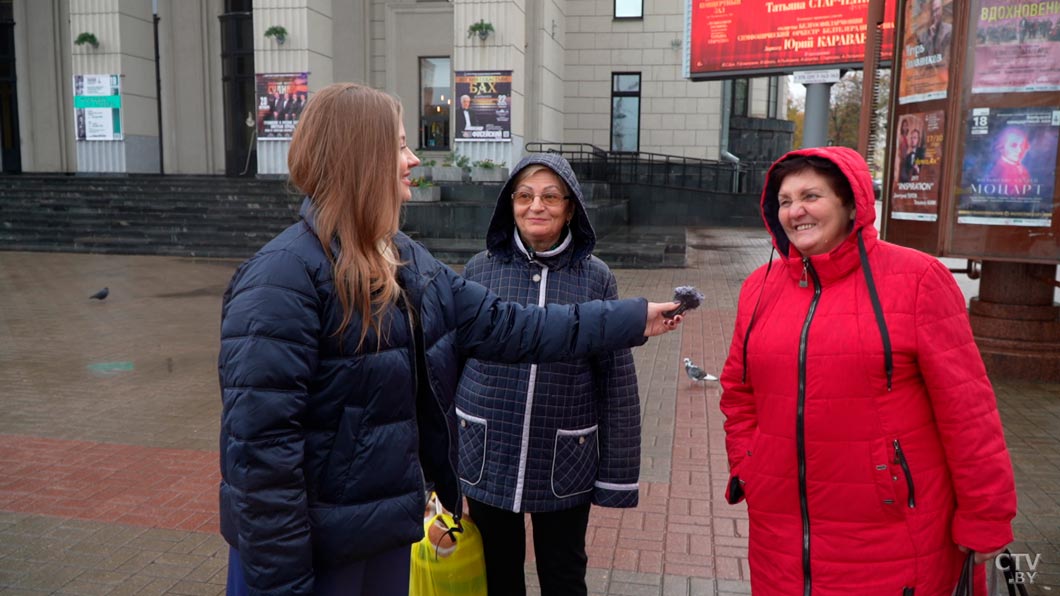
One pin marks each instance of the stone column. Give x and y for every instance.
(504, 49)
(307, 48)
(1015, 321)
(124, 30)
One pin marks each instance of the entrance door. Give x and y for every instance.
(237, 78)
(10, 142)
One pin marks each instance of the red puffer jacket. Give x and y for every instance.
(861, 426)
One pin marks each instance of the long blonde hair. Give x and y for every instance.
(344, 156)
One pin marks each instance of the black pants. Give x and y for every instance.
(559, 544)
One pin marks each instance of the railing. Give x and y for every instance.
(655, 169)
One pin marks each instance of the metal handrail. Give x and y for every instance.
(657, 169)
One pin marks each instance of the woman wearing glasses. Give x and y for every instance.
(545, 439)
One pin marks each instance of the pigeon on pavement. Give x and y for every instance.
(697, 374)
(100, 295)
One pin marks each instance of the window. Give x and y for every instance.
(629, 9)
(739, 97)
(774, 97)
(436, 93)
(625, 111)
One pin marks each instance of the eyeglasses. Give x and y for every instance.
(524, 198)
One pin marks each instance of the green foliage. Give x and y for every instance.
(421, 182)
(428, 163)
(488, 164)
(460, 161)
(277, 31)
(481, 28)
(86, 37)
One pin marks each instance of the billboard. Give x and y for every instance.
(281, 97)
(925, 50)
(97, 107)
(1017, 47)
(918, 159)
(1009, 168)
(483, 111)
(730, 38)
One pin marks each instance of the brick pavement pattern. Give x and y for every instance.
(108, 438)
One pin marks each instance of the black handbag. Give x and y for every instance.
(965, 582)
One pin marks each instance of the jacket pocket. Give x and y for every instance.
(473, 434)
(903, 465)
(574, 461)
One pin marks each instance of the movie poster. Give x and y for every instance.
(917, 166)
(483, 111)
(728, 37)
(97, 107)
(926, 50)
(1009, 169)
(281, 98)
(1017, 47)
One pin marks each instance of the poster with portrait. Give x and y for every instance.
(1009, 169)
(926, 50)
(97, 107)
(281, 98)
(917, 166)
(483, 111)
(1017, 47)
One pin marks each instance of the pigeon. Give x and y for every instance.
(688, 298)
(697, 374)
(100, 295)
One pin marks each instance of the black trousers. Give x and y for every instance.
(559, 545)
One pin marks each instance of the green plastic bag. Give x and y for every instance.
(456, 570)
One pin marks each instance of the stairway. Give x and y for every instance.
(207, 216)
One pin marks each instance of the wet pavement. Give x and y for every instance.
(108, 433)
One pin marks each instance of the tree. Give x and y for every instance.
(797, 114)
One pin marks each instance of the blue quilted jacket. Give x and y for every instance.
(547, 437)
(325, 452)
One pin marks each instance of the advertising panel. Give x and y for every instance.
(917, 158)
(1009, 169)
(1017, 47)
(281, 98)
(97, 107)
(730, 37)
(926, 50)
(483, 111)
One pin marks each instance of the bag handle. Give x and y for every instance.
(965, 582)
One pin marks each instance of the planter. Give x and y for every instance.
(426, 194)
(421, 172)
(447, 174)
(479, 174)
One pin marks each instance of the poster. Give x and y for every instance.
(97, 107)
(1017, 47)
(483, 111)
(926, 50)
(917, 166)
(281, 97)
(1009, 169)
(730, 37)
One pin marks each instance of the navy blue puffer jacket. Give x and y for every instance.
(325, 452)
(548, 437)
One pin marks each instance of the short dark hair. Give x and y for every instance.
(824, 167)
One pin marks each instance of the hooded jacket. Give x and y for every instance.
(548, 437)
(860, 423)
(326, 450)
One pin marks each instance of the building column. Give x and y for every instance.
(504, 49)
(307, 48)
(124, 31)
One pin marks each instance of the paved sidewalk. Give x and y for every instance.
(108, 434)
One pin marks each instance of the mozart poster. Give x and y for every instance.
(1009, 169)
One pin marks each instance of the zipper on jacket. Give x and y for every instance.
(415, 339)
(908, 591)
(531, 385)
(800, 426)
(899, 458)
(805, 265)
